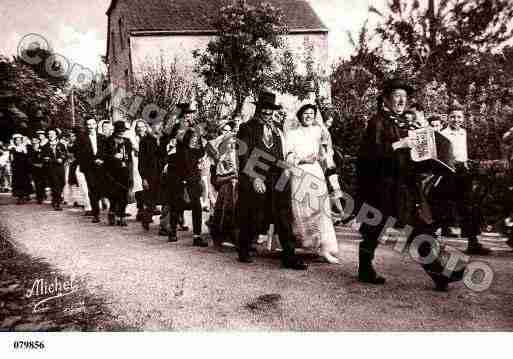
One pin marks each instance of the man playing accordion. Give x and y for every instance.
(399, 188)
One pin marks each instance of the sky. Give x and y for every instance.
(77, 29)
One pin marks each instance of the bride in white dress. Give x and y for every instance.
(305, 151)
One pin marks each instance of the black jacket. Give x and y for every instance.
(85, 156)
(149, 158)
(55, 157)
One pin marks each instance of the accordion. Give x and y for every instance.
(431, 151)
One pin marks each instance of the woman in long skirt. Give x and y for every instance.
(223, 224)
(21, 170)
(312, 222)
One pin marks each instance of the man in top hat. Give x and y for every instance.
(388, 183)
(262, 199)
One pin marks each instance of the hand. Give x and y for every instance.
(145, 184)
(402, 143)
(98, 162)
(46, 159)
(118, 156)
(259, 185)
(164, 171)
(59, 160)
(292, 159)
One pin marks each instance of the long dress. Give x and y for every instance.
(224, 224)
(312, 223)
(21, 172)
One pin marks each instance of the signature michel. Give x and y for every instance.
(49, 290)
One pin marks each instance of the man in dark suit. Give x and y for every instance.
(149, 169)
(90, 152)
(262, 200)
(389, 182)
(54, 155)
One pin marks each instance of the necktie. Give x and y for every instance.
(268, 136)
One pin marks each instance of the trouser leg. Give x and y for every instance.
(173, 218)
(194, 189)
(286, 237)
(94, 196)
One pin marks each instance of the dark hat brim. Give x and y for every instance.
(268, 105)
(395, 84)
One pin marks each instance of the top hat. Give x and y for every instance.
(185, 107)
(396, 83)
(120, 126)
(267, 100)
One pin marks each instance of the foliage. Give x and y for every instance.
(33, 93)
(239, 61)
(162, 84)
(443, 41)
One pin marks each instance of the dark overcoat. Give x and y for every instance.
(386, 178)
(261, 209)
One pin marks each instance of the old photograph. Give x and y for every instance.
(268, 166)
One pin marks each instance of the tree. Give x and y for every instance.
(442, 40)
(162, 84)
(239, 61)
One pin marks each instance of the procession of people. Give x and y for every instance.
(249, 177)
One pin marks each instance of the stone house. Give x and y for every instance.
(143, 31)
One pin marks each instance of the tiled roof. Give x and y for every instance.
(195, 15)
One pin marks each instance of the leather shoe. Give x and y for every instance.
(88, 213)
(296, 264)
(96, 220)
(163, 232)
(245, 259)
(145, 225)
(370, 276)
(199, 242)
(172, 239)
(509, 242)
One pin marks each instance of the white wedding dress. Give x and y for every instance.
(312, 223)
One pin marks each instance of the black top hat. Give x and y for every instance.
(396, 83)
(120, 126)
(267, 100)
(185, 107)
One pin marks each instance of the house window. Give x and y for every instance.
(121, 34)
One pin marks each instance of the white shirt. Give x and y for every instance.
(4, 158)
(94, 144)
(458, 139)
